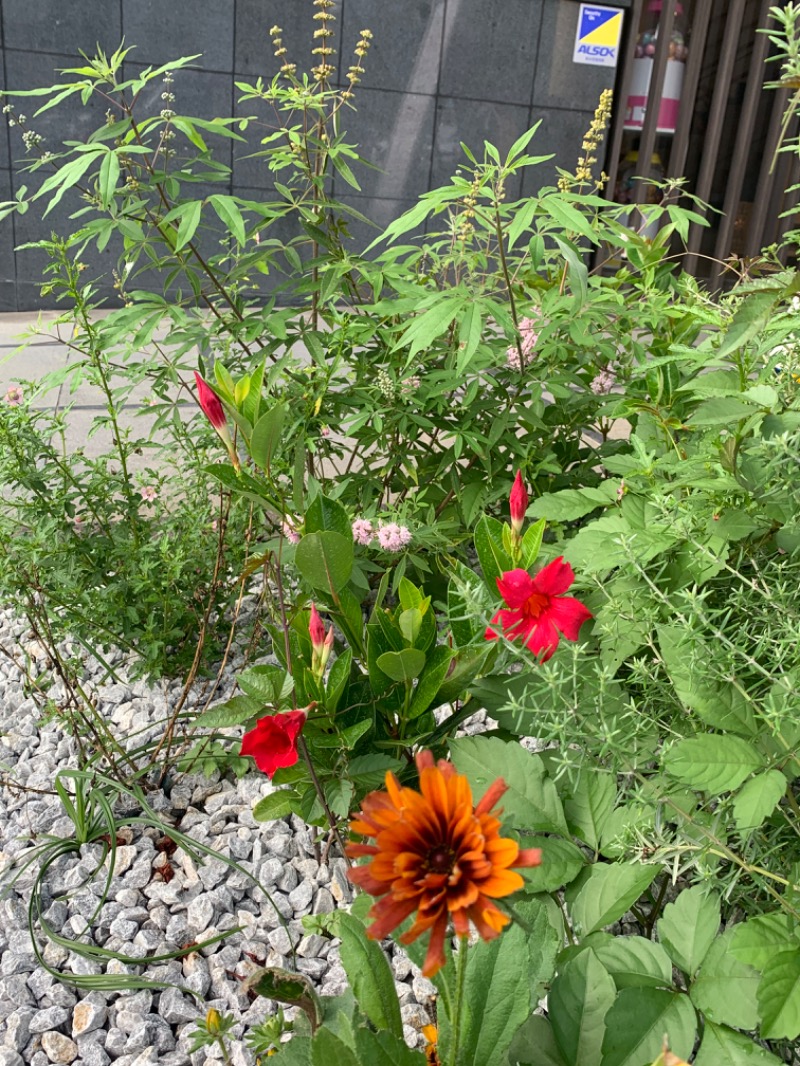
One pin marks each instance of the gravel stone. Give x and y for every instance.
(175, 1008)
(9, 1057)
(49, 1018)
(93, 1054)
(280, 940)
(300, 898)
(90, 1014)
(59, 1048)
(323, 902)
(200, 914)
(18, 1029)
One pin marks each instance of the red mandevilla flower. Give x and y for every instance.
(518, 503)
(538, 613)
(316, 629)
(273, 742)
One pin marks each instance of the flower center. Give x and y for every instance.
(440, 860)
(536, 604)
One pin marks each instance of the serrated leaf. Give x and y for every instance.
(369, 974)
(531, 801)
(689, 926)
(757, 799)
(233, 712)
(605, 892)
(535, 1044)
(589, 805)
(579, 1000)
(724, 1047)
(725, 988)
(562, 861)
(570, 504)
(756, 940)
(634, 961)
(384, 1049)
(276, 805)
(713, 764)
(779, 996)
(640, 1019)
(268, 683)
(327, 1048)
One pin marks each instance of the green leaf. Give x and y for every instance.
(268, 683)
(639, 1021)
(296, 1053)
(286, 987)
(713, 764)
(578, 274)
(469, 336)
(531, 543)
(531, 801)
(369, 974)
(722, 410)
(109, 176)
(756, 940)
(534, 1044)
(634, 961)
(402, 665)
(724, 1047)
(327, 1049)
(750, 318)
(562, 861)
(229, 215)
(570, 504)
(232, 712)
(266, 438)
(494, 559)
(276, 805)
(189, 221)
(719, 704)
(384, 1049)
(325, 560)
(567, 216)
(605, 892)
(326, 514)
(779, 996)
(590, 804)
(430, 680)
(725, 988)
(498, 990)
(757, 799)
(688, 927)
(579, 1000)
(337, 680)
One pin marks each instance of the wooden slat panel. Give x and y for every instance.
(756, 230)
(730, 40)
(743, 145)
(697, 45)
(632, 19)
(648, 140)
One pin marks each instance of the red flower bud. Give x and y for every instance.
(316, 629)
(209, 401)
(273, 742)
(518, 502)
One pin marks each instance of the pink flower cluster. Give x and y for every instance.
(391, 537)
(528, 336)
(14, 395)
(148, 493)
(363, 531)
(603, 382)
(290, 532)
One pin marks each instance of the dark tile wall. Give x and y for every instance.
(439, 72)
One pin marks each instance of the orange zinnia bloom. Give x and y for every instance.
(437, 855)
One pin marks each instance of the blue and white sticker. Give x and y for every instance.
(598, 36)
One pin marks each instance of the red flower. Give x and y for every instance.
(537, 612)
(209, 401)
(316, 629)
(273, 742)
(437, 855)
(518, 503)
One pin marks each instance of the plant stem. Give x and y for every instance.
(302, 748)
(461, 973)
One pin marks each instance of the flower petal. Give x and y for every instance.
(553, 579)
(516, 587)
(543, 637)
(568, 615)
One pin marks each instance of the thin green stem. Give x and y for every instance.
(461, 973)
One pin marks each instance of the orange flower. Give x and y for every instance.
(437, 855)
